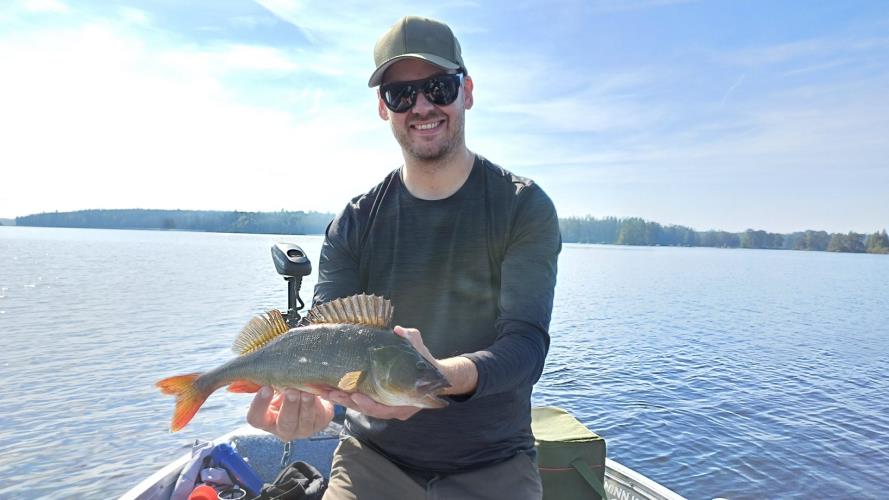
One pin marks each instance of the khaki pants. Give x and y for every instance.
(361, 473)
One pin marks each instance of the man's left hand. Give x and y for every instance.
(413, 336)
(364, 404)
(460, 371)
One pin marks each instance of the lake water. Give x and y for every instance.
(733, 373)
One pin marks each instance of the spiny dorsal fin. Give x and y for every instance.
(370, 310)
(260, 331)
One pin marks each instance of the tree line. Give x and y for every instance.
(186, 220)
(608, 230)
(637, 231)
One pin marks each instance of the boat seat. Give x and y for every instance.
(264, 451)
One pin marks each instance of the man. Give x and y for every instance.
(467, 254)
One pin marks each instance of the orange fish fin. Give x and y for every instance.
(363, 309)
(188, 398)
(349, 382)
(244, 386)
(259, 331)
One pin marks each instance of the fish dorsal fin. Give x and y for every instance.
(260, 331)
(363, 309)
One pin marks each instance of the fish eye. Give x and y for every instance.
(422, 365)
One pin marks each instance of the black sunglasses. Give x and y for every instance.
(440, 90)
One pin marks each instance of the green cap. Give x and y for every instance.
(419, 38)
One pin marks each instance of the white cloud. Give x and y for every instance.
(788, 162)
(802, 49)
(342, 34)
(240, 57)
(228, 58)
(134, 16)
(96, 118)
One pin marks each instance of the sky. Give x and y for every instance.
(709, 114)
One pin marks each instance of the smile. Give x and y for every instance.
(427, 126)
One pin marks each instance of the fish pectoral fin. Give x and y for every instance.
(349, 381)
(243, 386)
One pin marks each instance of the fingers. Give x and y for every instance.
(340, 398)
(291, 415)
(294, 417)
(260, 415)
(416, 340)
(298, 415)
(412, 334)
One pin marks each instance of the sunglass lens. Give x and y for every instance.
(399, 97)
(442, 90)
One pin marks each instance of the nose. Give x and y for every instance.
(422, 105)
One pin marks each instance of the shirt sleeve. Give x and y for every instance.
(338, 265)
(528, 280)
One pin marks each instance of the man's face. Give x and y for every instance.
(426, 131)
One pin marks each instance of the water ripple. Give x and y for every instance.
(715, 372)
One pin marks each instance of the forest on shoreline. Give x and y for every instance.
(637, 231)
(607, 230)
(185, 220)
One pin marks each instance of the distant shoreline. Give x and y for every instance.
(631, 231)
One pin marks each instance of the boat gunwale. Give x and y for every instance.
(621, 482)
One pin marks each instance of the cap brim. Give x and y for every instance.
(377, 77)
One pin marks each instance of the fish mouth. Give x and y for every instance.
(428, 386)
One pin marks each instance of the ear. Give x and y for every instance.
(382, 110)
(467, 92)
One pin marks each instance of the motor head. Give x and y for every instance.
(290, 260)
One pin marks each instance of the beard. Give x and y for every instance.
(437, 150)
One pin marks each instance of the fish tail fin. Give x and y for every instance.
(188, 398)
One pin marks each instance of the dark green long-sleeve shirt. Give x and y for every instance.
(475, 273)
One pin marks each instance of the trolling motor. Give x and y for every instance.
(292, 263)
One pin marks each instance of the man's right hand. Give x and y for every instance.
(290, 415)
